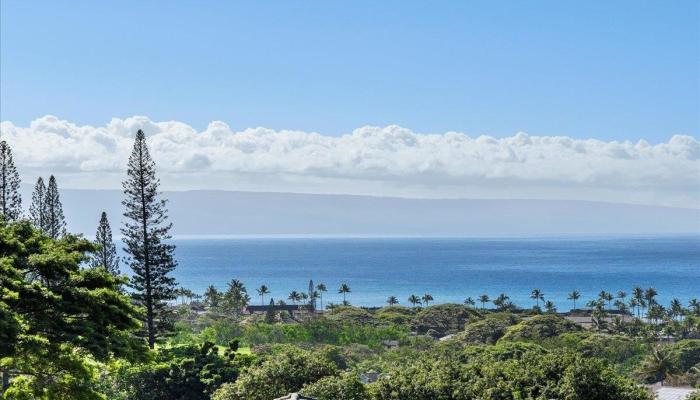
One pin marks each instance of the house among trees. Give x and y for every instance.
(293, 309)
(588, 322)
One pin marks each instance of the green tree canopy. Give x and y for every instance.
(57, 317)
(285, 372)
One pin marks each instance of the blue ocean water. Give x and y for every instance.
(450, 269)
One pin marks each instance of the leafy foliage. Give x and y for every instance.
(396, 315)
(58, 319)
(345, 386)
(284, 373)
(353, 315)
(488, 329)
(497, 375)
(180, 373)
(443, 318)
(541, 327)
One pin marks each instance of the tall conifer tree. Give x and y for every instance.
(145, 233)
(55, 221)
(106, 255)
(37, 210)
(10, 199)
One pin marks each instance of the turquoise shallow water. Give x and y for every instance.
(449, 269)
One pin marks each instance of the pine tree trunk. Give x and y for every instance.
(146, 260)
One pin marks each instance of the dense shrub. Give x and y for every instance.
(399, 315)
(443, 318)
(487, 330)
(541, 327)
(494, 375)
(189, 372)
(343, 387)
(686, 353)
(285, 372)
(322, 330)
(351, 315)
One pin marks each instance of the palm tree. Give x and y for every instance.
(236, 296)
(633, 304)
(676, 309)
(344, 289)
(606, 296)
(262, 291)
(638, 295)
(236, 284)
(537, 295)
(550, 307)
(621, 306)
(294, 296)
(427, 298)
(694, 305)
(574, 295)
(392, 300)
(655, 312)
(212, 296)
(313, 296)
(649, 296)
(483, 299)
(321, 289)
(502, 302)
(621, 294)
(413, 299)
(469, 302)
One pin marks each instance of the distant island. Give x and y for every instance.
(209, 212)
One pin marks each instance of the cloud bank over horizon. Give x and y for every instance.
(381, 161)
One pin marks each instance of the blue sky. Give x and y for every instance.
(617, 70)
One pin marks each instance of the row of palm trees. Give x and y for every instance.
(641, 302)
(316, 293)
(413, 299)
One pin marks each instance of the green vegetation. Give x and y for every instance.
(487, 330)
(541, 327)
(84, 343)
(72, 328)
(59, 321)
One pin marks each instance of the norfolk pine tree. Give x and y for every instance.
(145, 231)
(10, 199)
(106, 254)
(37, 210)
(55, 222)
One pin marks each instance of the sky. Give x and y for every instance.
(546, 99)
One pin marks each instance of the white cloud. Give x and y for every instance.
(371, 160)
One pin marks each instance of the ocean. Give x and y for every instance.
(450, 269)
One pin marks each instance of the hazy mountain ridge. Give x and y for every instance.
(256, 213)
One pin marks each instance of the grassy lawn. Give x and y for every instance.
(241, 350)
